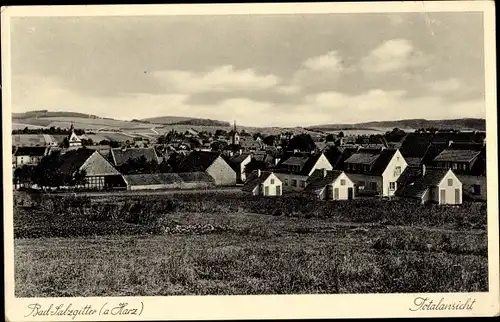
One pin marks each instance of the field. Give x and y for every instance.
(223, 243)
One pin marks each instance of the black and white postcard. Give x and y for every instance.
(250, 161)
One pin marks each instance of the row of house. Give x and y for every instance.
(445, 176)
(423, 167)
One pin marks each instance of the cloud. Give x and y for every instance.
(317, 108)
(445, 86)
(221, 79)
(330, 61)
(392, 55)
(288, 89)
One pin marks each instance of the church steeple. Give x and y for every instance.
(234, 128)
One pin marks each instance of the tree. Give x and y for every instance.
(87, 142)
(164, 167)
(301, 142)
(330, 138)
(47, 174)
(341, 134)
(80, 178)
(270, 140)
(65, 143)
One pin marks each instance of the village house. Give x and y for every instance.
(119, 156)
(211, 163)
(29, 155)
(100, 173)
(296, 169)
(330, 185)
(375, 171)
(239, 163)
(158, 181)
(263, 183)
(415, 146)
(74, 140)
(439, 186)
(468, 162)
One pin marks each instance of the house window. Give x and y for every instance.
(373, 186)
(342, 182)
(272, 181)
(392, 186)
(450, 182)
(286, 182)
(294, 182)
(476, 189)
(397, 171)
(455, 166)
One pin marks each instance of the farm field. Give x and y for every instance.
(180, 245)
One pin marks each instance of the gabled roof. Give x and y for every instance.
(32, 151)
(198, 161)
(378, 162)
(452, 155)
(152, 179)
(254, 180)
(304, 164)
(72, 160)
(167, 178)
(363, 157)
(317, 181)
(121, 156)
(417, 187)
(415, 145)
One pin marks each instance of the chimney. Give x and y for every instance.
(324, 172)
(258, 173)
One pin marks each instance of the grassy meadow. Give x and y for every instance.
(180, 245)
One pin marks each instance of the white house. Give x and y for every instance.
(263, 183)
(468, 162)
(74, 140)
(239, 163)
(433, 185)
(29, 155)
(295, 170)
(330, 185)
(375, 170)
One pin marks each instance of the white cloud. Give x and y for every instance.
(446, 86)
(221, 79)
(392, 55)
(330, 61)
(320, 108)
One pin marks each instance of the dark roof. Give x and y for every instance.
(415, 145)
(383, 161)
(189, 177)
(453, 155)
(32, 151)
(120, 156)
(198, 161)
(254, 180)
(378, 162)
(409, 175)
(466, 137)
(72, 160)
(345, 153)
(433, 151)
(152, 178)
(167, 178)
(363, 157)
(302, 164)
(417, 188)
(239, 158)
(318, 181)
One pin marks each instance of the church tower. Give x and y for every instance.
(235, 135)
(74, 140)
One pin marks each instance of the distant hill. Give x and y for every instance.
(45, 114)
(459, 124)
(180, 120)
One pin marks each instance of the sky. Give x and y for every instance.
(260, 70)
